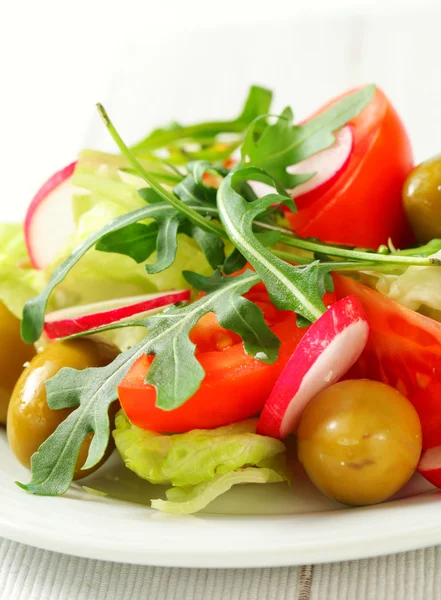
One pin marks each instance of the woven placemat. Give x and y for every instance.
(32, 574)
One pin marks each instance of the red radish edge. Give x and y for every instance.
(430, 465)
(327, 166)
(47, 222)
(78, 319)
(327, 350)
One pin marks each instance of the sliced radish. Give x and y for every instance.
(49, 219)
(327, 166)
(78, 319)
(430, 465)
(327, 350)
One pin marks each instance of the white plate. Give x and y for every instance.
(251, 526)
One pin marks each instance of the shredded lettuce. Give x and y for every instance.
(19, 282)
(200, 464)
(191, 499)
(417, 288)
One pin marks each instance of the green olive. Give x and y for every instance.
(30, 420)
(359, 441)
(14, 353)
(422, 199)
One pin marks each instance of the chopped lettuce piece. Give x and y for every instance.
(19, 282)
(191, 499)
(200, 464)
(417, 288)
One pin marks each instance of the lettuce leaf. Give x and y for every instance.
(200, 464)
(417, 288)
(105, 191)
(191, 499)
(19, 282)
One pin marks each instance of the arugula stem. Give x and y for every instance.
(291, 257)
(180, 206)
(297, 242)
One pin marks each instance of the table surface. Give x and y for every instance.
(31, 574)
(401, 52)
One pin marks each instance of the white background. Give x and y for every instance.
(57, 57)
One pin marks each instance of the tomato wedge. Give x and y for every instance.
(363, 206)
(235, 386)
(404, 351)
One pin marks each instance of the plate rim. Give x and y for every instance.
(167, 546)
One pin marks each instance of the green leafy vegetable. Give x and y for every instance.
(290, 288)
(33, 313)
(200, 464)
(19, 282)
(283, 144)
(135, 240)
(191, 499)
(175, 373)
(257, 103)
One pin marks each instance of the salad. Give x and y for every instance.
(198, 299)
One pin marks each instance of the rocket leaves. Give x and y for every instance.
(282, 144)
(290, 288)
(175, 373)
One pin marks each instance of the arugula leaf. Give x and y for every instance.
(175, 373)
(257, 103)
(283, 144)
(234, 262)
(199, 168)
(166, 243)
(211, 245)
(242, 314)
(191, 191)
(136, 240)
(298, 289)
(33, 313)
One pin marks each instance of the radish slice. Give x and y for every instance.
(327, 350)
(430, 465)
(49, 219)
(327, 166)
(78, 319)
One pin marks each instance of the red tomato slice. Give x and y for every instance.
(363, 207)
(404, 351)
(235, 386)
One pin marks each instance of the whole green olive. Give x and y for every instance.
(359, 441)
(30, 420)
(422, 199)
(14, 353)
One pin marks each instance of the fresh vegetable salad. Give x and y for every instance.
(199, 298)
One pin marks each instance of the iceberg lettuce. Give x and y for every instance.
(417, 288)
(200, 464)
(191, 499)
(18, 281)
(105, 191)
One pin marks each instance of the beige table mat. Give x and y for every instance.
(31, 574)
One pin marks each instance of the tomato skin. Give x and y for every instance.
(235, 387)
(404, 351)
(364, 207)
